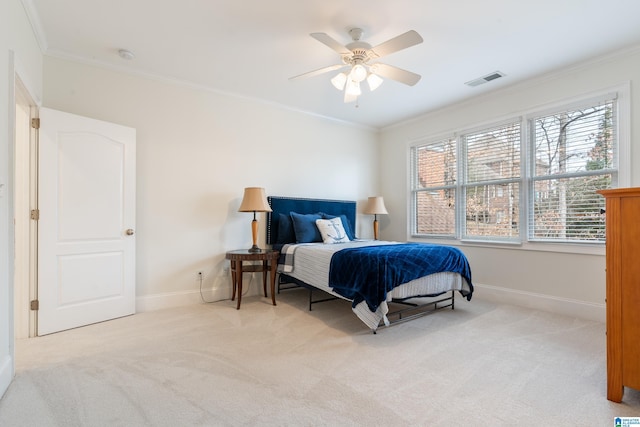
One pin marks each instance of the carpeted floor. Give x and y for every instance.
(210, 365)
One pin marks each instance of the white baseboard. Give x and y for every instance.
(6, 373)
(565, 306)
(215, 289)
(177, 299)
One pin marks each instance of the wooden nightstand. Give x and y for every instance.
(269, 262)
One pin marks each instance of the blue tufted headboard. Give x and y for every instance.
(285, 205)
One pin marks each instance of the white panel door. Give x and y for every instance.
(86, 240)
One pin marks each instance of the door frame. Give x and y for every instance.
(26, 236)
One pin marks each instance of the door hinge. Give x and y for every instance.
(35, 123)
(35, 214)
(35, 305)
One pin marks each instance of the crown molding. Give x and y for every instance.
(36, 24)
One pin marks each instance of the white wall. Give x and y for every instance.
(522, 276)
(197, 150)
(6, 298)
(19, 52)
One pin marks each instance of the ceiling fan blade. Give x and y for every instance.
(403, 41)
(331, 42)
(395, 73)
(318, 71)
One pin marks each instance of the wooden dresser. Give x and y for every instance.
(623, 290)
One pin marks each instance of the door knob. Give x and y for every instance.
(129, 232)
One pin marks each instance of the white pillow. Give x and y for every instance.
(332, 230)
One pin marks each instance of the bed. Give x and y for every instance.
(319, 251)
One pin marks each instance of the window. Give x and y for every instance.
(572, 157)
(435, 183)
(529, 179)
(491, 183)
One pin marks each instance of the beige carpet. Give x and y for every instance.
(208, 365)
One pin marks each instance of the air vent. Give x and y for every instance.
(485, 79)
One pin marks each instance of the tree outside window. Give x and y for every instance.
(472, 186)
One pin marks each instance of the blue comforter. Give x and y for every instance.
(369, 273)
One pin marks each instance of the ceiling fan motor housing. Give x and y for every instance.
(359, 50)
(357, 56)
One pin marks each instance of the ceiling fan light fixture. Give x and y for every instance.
(339, 81)
(348, 97)
(353, 88)
(374, 81)
(358, 73)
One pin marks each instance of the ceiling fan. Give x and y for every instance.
(361, 58)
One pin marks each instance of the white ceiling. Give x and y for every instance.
(251, 47)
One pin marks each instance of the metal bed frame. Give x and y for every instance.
(394, 316)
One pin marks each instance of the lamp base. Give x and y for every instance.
(255, 249)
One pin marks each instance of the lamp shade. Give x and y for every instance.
(375, 206)
(374, 82)
(353, 88)
(339, 81)
(254, 200)
(358, 73)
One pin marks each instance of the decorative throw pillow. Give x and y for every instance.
(332, 230)
(304, 226)
(345, 223)
(286, 234)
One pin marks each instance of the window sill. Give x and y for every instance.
(577, 248)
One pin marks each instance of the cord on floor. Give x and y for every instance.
(223, 299)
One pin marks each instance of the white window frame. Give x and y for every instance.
(464, 184)
(621, 92)
(531, 156)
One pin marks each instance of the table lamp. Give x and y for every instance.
(375, 206)
(254, 200)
